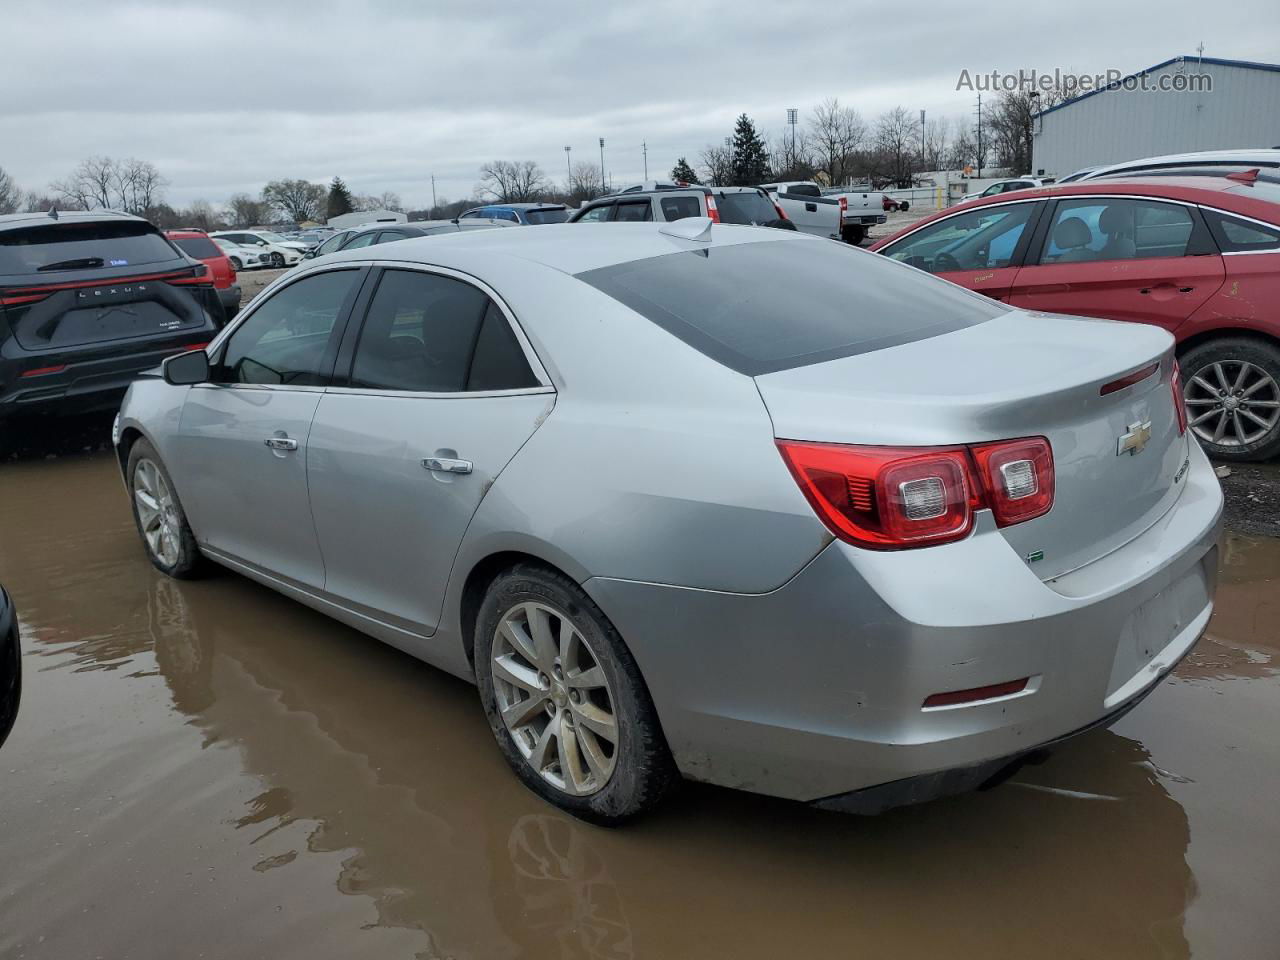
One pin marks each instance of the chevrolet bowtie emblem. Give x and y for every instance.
(1135, 440)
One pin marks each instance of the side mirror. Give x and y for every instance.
(186, 368)
(309, 255)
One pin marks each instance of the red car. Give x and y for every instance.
(197, 245)
(1200, 256)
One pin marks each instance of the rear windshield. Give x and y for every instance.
(803, 190)
(748, 207)
(547, 216)
(202, 248)
(54, 247)
(767, 306)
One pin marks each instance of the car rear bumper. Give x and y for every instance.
(817, 689)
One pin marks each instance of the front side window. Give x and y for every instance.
(433, 334)
(1093, 230)
(981, 239)
(362, 240)
(553, 215)
(330, 245)
(595, 214)
(285, 340)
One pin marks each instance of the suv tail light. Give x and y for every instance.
(712, 210)
(782, 214)
(889, 498)
(1179, 399)
(1018, 478)
(844, 206)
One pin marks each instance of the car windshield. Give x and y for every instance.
(202, 248)
(76, 246)
(747, 207)
(553, 215)
(271, 237)
(767, 306)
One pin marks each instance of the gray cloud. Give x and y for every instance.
(224, 96)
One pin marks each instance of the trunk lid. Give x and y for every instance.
(1018, 375)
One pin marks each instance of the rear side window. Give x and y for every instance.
(596, 214)
(680, 208)
(1241, 236)
(52, 247)
(634, 212)
(286, 339)
(539, 217)
(746, 207)
(767, 306)
(1119, 228)
(202, 248)
(434, 334)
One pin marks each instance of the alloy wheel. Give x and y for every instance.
(157, 512)
(554, 698)
(1232, 403)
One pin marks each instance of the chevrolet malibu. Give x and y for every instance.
(679, 510)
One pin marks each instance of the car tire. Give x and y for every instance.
(277, 260)
(605, 783)
(1226, 383)
(854, 235)
(158, 514)
(235, 263)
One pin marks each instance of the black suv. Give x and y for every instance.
(744, 205)
(89, 300)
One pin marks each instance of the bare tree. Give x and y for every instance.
(130, 185)
(896, 137)
(298, 200)
(89, 185)
(835, 136)
(584, 182)
(512, 181)
(10, 196)
(388, 200)
(717, 165)
(138, 185)
(244, 211)
(937, 142)
(1011, 123)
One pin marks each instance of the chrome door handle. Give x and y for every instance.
(281, 443)
(447, 465)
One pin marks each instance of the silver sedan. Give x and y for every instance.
(704, 501)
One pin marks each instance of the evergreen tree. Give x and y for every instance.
(750, 156)
(339, 199)
(683, 173)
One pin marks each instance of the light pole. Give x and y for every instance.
(433, 192)
(568, 168)
(792, 115)
(644, 149)
(603, 187)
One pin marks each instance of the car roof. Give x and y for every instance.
(568, 248)
(13, 221)
(1263, 156)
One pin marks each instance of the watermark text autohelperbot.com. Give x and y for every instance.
(1073, 84)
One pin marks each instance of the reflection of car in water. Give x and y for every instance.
(10, 666)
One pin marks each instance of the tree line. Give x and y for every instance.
(835, 144)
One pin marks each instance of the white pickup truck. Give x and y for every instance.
(805, 206)
(862, 209)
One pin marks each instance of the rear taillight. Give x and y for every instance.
(1017, 477)
(1179, 399)
(42, 371)
(889, 498)
(844, 207)
(199, 274)
(782, 214)
(712, 211)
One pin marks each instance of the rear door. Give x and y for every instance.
(436, 392)
(979, 249)
(244, 436)
(1122, 258)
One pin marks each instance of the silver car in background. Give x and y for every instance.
(679, 510)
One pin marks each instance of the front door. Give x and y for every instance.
(244, 436)
(1122, 258)
(439, 397)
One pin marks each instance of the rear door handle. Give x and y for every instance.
(447, 465)
(281, 443)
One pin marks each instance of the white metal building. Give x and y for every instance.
(1242, 110)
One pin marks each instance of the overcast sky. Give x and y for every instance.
(223, 95)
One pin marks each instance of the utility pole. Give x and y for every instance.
(644, 149)
(923, 162)
(433, 192)
(568, 168)
(979, 156)
(603, 185)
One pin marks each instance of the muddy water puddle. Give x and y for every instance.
(207, 769)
